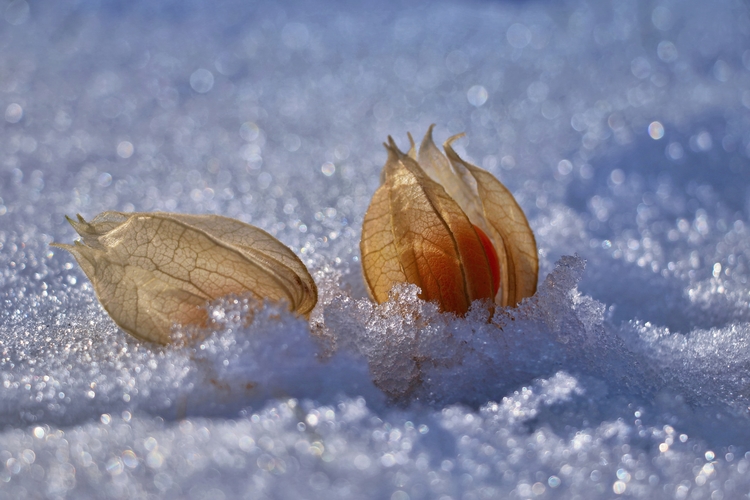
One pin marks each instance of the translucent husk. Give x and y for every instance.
(151, 271)
(421, 228)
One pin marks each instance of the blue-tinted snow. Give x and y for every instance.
(623, 128)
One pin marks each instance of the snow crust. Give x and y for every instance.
(623, 129)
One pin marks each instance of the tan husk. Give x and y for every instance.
(151, 271)
(421, 228)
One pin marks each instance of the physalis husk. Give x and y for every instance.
(151, 271)
(450, 228)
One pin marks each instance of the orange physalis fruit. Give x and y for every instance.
(489, 251)
(151, 271)
(450, 228)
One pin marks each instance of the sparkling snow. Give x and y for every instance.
(623, 128)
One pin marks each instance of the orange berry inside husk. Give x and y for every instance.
(491, 253)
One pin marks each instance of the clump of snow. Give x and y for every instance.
(415, 352)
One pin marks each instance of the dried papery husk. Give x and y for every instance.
(151, 271)
(492, 207)
(415, 233)
(450, 228)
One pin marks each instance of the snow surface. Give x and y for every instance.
(623, 128)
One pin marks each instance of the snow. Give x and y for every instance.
(623, 129)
